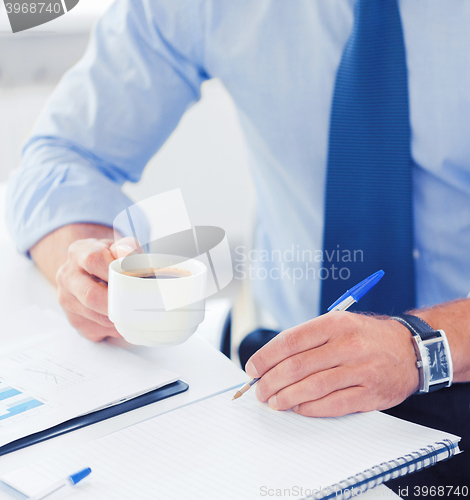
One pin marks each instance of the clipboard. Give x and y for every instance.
(96, 416)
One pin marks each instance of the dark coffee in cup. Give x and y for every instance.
(159, 274)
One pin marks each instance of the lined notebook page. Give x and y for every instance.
(223, 449)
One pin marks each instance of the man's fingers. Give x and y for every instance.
(92, 294)
(298, 367)
(83, 292)
(93, 256)
(336, 404)
(360, 363)
(301, 338)
(313, 387)
(91, 330)
(72, 305)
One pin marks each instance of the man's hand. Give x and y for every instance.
(83, 284)
(76, 259)
(336, 364)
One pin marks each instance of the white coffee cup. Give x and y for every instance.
(156, 312)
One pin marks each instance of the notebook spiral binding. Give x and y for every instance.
(355, 485)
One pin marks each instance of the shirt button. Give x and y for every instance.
(415, 253)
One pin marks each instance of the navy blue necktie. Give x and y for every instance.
(368, 204)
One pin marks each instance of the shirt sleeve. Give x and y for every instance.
(107, 117)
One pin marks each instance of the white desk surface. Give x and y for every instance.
(204, 368)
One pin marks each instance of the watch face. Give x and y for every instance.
(439, 367)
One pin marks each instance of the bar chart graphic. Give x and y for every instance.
(14, 402)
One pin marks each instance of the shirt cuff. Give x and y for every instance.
(40, 201)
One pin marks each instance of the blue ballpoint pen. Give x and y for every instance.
(346, 300)
(71, 480)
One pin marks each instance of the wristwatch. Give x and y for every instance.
(434, 360)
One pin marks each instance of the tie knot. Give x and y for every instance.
(377, 22)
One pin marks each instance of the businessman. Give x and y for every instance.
(356, 115)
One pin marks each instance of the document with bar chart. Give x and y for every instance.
(43, 374)
(16, 404)
(60, 375)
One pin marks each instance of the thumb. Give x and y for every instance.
(124, 247)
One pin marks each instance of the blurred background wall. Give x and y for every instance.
(205, 156)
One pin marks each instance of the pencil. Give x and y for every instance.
(242, 391)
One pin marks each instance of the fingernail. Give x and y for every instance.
(295, 408)
(251, 370)
(273, 402)
(123, 250)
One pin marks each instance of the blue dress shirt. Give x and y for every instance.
(144, 66)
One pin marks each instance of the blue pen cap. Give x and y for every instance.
(358, 291)
(364, 286)
(78, 476)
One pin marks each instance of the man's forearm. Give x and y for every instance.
(454, 319)
(51, 252)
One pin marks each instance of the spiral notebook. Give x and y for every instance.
(217, 448)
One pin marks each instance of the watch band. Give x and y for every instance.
(421, 331)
